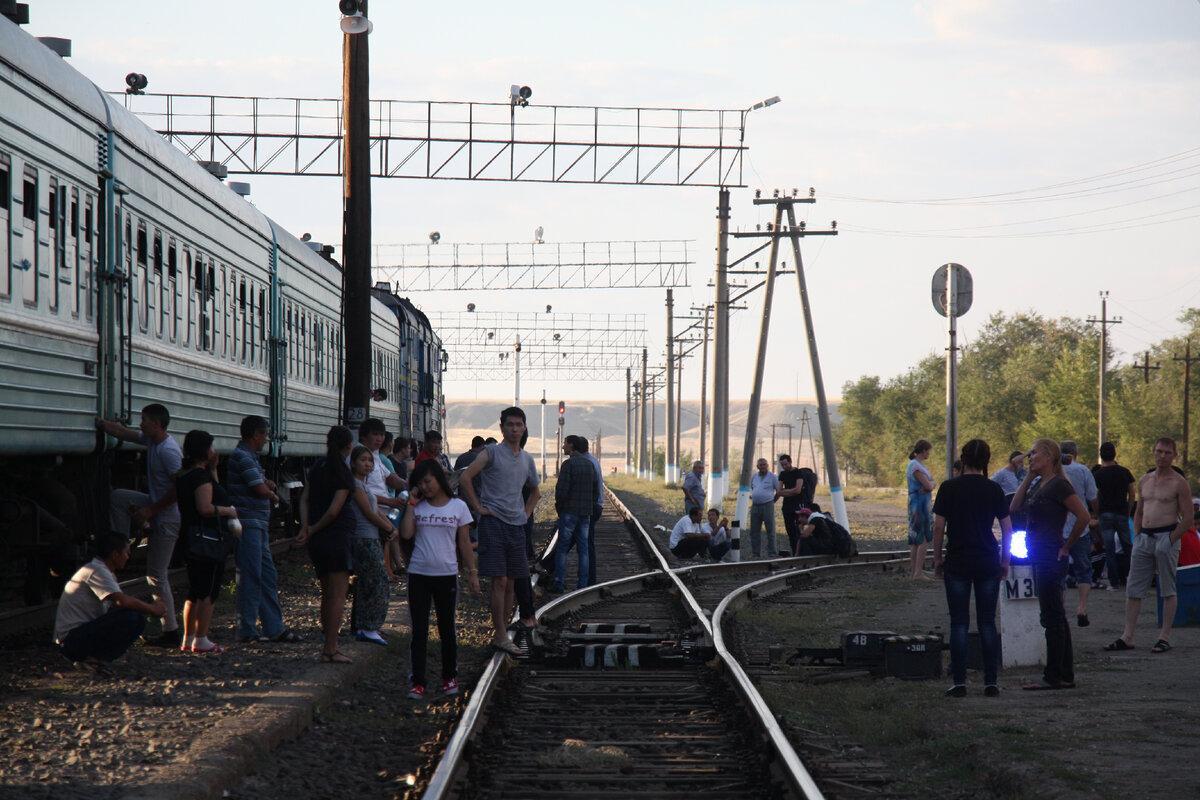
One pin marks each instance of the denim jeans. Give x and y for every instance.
(762, 514)
(1060, 660)
(572, 529)
(257, 592)
(958, 599)
(160, 548)
(1113, 528)
(107, 637)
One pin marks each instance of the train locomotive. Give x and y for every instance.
(128, 275)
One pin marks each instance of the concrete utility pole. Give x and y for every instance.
(643, 471)
(717, 470)
(671, 465)
(628, 421)
(703, 389)
(356, 227)
(679, 467)
(749, 458)
(1145, 367)
(517, 372)
(653, 422)
(834, 478)
(1104, 322)
(1187, 400)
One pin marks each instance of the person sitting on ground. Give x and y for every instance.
(688, 539)
(96, 621)
(815, 536)
(718, 529)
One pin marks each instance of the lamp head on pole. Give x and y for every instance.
(353, 21)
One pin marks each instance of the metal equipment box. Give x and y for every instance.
(864, 648)
(913, 657)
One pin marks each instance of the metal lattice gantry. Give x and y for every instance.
(483, 345)
(534, 265)
(457, 140)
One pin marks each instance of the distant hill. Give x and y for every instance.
(606, 419)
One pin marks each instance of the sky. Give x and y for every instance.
(1052, 147)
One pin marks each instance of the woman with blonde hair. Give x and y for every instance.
(1046, 496)
(920, 506)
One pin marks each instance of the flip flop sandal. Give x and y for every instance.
(509, 646)
(1161, 646)
(336, 657)
(1119, 644)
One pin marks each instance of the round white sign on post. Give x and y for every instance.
(963, 289)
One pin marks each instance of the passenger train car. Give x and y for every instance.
(130, 275)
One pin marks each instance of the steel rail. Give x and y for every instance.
(804, 782)
(793, 771)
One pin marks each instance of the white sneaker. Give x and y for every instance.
(371, 636)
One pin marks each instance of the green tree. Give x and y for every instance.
(1067, 401)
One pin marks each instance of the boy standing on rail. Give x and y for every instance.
(504, 469)
(156, 510)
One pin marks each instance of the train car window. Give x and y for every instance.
(251, 319)
(55, 240)
(243, 321)
(290, 355)
(5, 214)
(262, 319)
(85, 259)
(221, 315)
(172, 293)
(189, 300)
(141, 243)
(319, 346)
(29, 208)
(59, 287)
(28, 253)
(71, 273)
(156, 253)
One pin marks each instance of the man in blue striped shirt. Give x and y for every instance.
(252, 494)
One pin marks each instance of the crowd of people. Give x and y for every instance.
(1079, 524)
(705, 534)
(373, 508)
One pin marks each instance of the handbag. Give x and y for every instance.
(208, 541)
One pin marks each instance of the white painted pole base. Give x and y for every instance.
(839, 507)
(741, 513)
(1023, 641)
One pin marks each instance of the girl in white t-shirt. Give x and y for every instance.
(438, 522)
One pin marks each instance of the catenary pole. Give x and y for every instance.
(629, 421)
(742, 509)
(643, 472)
(717, 473)
(356, 227)
(671, 464)
(835, 481)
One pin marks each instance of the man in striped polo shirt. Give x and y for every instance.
(252, 494)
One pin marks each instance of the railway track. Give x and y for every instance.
(628, 690)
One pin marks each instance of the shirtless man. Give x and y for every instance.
(1163, 514)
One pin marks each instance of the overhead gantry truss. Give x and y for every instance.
(483, 345)
(457, 141)
(536, 265)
